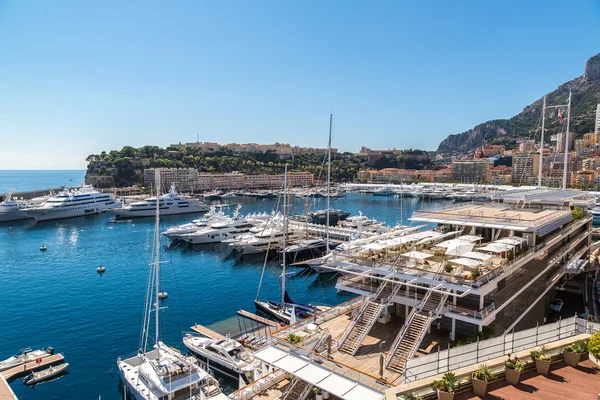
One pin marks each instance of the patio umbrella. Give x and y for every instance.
(459, 249)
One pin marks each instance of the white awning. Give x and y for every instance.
(477, 256)
(459, 249)
(502, 245)
(511, 240)
(466, 262)
(419, 255)
(470, 238)
(493, 248)
(305, 369)
(437, 237)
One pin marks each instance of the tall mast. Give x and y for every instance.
(284, 233)
(567, 143)
(542, 143)
(328, 184)
(156, 257)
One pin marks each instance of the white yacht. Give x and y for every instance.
(174, 233)
(26, 356)
(163, 372)
(12, 210)
(170, 204)
(270, 238)
(219, 231)
(228, 355)
(74, 203)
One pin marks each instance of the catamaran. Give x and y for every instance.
(163, 372)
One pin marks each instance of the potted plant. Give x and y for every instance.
(572, 354)
(594, 347)
(542, 361)
(512, 369)
(318, 393)
(445, 387)
(325, 395)
(411, 396)
(481, 377)
(293, 339)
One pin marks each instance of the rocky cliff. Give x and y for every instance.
(586, 95)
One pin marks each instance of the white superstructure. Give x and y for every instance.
(169, 204)
(74, 203)
(217, 232)
(11, 210)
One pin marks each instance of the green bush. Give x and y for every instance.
(594, 344)
(411, 396)
(293, 339)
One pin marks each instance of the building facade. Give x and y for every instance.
(472, 171)
(259, 181)
(184, 179)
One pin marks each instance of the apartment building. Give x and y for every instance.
(471, 171)
(259, 181)
(184, 179)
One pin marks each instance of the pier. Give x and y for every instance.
(203, 330)
(258, 318)
(31, 366)
(5, 390)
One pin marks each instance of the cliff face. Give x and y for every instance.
(586, 95)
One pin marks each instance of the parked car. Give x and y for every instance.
(556, 305)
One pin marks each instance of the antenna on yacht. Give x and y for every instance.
(328, 185)
(284, 233)
(156, 259)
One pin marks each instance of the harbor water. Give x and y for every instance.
(56, 298)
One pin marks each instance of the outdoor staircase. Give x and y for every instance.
(299, 390)
(356, 331)
(412, 333)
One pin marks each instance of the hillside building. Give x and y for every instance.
(471, 171)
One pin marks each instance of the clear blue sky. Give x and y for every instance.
(79, 77)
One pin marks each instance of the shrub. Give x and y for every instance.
(580, 346)
(484, 373)
(411, 396)
(447, 384)
(476, 273)
(293, 339)
(594, 344)
(448, 268)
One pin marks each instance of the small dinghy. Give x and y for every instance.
(163, 295)
(45, 374)
(101, 270)
(43, 248)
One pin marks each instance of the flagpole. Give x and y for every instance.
(542, 143)
(567, 143)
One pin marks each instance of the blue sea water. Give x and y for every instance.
(24, 181)
(56, 297)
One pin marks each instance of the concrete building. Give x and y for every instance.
(525, 169)
(597, 130)
(591, 138)
(185, 179)
(472, 171)
(560, 142)
(261, 181)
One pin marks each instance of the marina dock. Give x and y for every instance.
(31, 366)
(203, 330)
(258, 318)
(5, 390)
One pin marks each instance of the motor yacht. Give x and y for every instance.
(219, 231)
(26, 356)
(74, 203)
(169, 204)
(320, 217)
(227, 355)
(267, 239)
(174, 233)
(12, 210)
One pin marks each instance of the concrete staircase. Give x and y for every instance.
(411, 335)
(356, 331)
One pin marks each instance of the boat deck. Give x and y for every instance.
(32, 365)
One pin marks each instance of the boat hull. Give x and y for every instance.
(54, 214)
(13, 216)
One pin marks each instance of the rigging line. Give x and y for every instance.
(148, 295)
(179, 301)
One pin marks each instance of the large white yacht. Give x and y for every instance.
(228, 355)
(12, 210)
(217, 232)
(269, 238)
(163, 372)
(73, 203)
(170, 204)
(174, 233)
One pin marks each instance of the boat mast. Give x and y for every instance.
(156, 257)
(567, 144)
(284, 234)
(542, 143)
(328, 185)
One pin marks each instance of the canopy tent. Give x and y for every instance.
(470, 238)
(419, 255)
(515, 240)
(467, 262)
(308, 371)
(437, 237)
(477, 256)
(502, 245)
(493, 248)
(459, 249)
(448, 243)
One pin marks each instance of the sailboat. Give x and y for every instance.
(287, 311)
(163, 373)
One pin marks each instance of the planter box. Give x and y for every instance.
(571, 358)
(542, 366)
(479, 387)
(445, 395)
(512, 376)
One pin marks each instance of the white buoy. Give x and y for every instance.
(163, 295)
(100, 269)
(43, 248)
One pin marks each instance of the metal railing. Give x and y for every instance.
(476, 314)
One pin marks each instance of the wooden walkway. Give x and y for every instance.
(6, 392)
(258, 318)
(30, 366)
(562, 383)
(201, 329)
